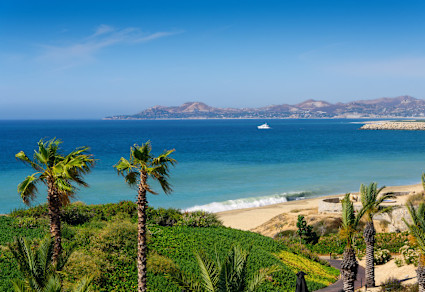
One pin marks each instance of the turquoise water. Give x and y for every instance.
(224, 164)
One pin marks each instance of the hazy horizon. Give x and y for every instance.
(88, 60)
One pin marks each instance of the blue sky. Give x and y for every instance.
(90, 59)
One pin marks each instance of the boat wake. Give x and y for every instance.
(249, 202)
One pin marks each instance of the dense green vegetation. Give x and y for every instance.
(332, 243)
(105, 236)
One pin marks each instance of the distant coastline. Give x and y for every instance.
(381, 108)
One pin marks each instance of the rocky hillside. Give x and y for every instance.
(397, 107)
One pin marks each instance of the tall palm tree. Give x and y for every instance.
(136, 171)
(372, 203)
(350, 222)
(58, 172)
(230, 275)
(417, 230)
(40, 275)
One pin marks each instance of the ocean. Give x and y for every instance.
(223, 164)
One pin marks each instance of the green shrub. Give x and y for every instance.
(164, 217)
(399, 261)
(107, 211)
(333, 244)
(77, 213)
(199, 219)
(36, 211)
(410, 255)
(158, 264)
(381, 256)
(30, 222)
(9, 229)
(305, 231)
(391, 284)
(300, 249)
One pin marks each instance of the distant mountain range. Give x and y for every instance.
(396, 107)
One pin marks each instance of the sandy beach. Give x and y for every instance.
(252, 218)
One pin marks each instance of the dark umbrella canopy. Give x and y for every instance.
(301, 284)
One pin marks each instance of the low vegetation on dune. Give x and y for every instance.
(104, 243)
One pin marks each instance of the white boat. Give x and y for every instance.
(264, 126)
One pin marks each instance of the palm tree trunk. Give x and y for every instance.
(420, 273)
(349, 267)
(141, 238)
(54, 205)
(369, 238)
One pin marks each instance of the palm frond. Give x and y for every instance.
(53, 284)
(417, 229)
(24, 158)
(124, 166)
(418, 233)
(260, 277)
(19, 285)
(23, 255)
(63, 185)
(348, 218)
(209, 272)
(52, 148)
(132, 178)
(83, 285)
(164, 159)
(28, 188)
(423, 181)
(43, 257)
(184, 281)
(163, 182)
(141, 154)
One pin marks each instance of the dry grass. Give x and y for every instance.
(416, 198)
(322, 223)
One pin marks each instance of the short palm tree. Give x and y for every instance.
(350, 222)
(38, 270)
(417, 230)
(58, 172)
(136, 171)
(372, 204)
(230, 275)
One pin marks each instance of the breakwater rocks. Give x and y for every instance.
(387, 125)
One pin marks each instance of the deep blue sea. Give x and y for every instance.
(223, 164)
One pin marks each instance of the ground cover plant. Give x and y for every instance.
(333, 244)
(104, 238)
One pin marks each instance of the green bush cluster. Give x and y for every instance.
(410, 255)
(394, 285)
(301, 249)
(79, 213)
(333, 244)
(381, 256)
(105, 242)
(199, 219)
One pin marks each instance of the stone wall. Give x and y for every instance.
(413, 126)
(394, 219)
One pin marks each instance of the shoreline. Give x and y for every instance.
(251, 218)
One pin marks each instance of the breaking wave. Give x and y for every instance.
(249, 202)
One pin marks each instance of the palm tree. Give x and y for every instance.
(372, 205)
(230, 275)
(58, 173)
(417, 230)
(136, 171)
(40, 274)
(349, 263)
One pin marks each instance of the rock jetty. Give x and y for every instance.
(388, 125)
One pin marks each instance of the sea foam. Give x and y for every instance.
(246, 202)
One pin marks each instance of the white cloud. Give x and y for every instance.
(104, 36)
